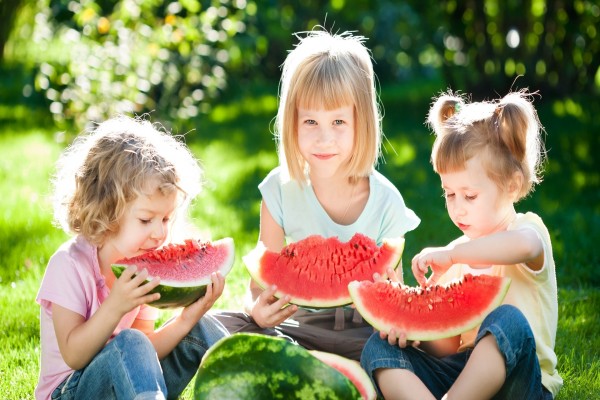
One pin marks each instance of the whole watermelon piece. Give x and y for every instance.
(430, 313)
(249, 366)
(315, 272)
(184, 269)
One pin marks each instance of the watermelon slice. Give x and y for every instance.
(184, 269)
(316, 271)
(351, 369)
(436, 312)
(250, 366)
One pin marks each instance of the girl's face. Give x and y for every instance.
(326, 139)
(145, 224)
(475, 203)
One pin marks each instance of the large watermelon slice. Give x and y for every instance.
(249, 366)
(316, 271)
(436, 312)
(184, 269)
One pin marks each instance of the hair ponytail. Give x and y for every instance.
(444, 107)
(519, 129)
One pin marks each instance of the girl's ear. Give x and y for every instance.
(515, 184)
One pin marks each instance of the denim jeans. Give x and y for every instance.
(515, 341)
(128, 367)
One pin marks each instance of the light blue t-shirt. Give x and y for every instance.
(296, 209)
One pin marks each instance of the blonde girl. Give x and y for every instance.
(119, 190)
(329, 136)
(487, 155)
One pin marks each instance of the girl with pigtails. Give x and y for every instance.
(487, 155)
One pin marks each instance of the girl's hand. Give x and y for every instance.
(392, 275)
(439, 259)
(196, 310)
(130, 291)
(398, 339)
(268, 311)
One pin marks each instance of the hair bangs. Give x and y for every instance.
(323, 86)
(451, 153)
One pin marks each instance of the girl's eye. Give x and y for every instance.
(448, 195)
(470, 198)
(338, 122)
(310, 122)
(166, 219)
(144, 221)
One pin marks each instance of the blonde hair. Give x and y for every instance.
(506, 132)
(329, 71)
(105, 169)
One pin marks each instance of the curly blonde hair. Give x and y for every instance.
(329, 71)
(507, 132)
(105, 169)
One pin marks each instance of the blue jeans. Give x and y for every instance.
(515, 341)
(128, 367)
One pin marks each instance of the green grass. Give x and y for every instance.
(237, 150)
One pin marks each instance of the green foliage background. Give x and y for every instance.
(94, 58)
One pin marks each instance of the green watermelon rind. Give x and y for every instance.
(249, 366)
(427, 334)
(253, 258)
(177, 294)
(351, 369)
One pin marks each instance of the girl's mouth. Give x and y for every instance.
(324, 156)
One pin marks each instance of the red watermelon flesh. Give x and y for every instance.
(436, 312)
(351, 369)
(184, 269)
(316, 271)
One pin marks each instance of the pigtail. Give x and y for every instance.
(444, 107)
(519, 130)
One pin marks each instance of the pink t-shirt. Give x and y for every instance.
(73, 281)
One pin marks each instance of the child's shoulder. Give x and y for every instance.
(277, 177)
(528, 219)
(380, 183)
(75, 250)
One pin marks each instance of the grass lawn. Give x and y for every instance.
(236, 148)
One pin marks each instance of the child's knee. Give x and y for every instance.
(510, 320)
(129, 339)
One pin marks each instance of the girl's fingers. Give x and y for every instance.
(128, 273)
(149, 298)
(280, 303)
(393, 275)
(392, 338)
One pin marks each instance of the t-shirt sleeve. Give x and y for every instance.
(534, 222)
(398, 218)
(65, 283)
(270, 189)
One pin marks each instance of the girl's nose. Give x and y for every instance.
(159, 231)
(325, 135)
(459, 207)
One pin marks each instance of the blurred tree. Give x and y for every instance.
(99, 57)
(553, 44)
(134, 55)
(8, 12)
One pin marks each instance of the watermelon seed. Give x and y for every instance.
(430, 306)
(409, 299)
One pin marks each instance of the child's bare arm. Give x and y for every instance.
(502, 248)
(265, 309)
(80, 340)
